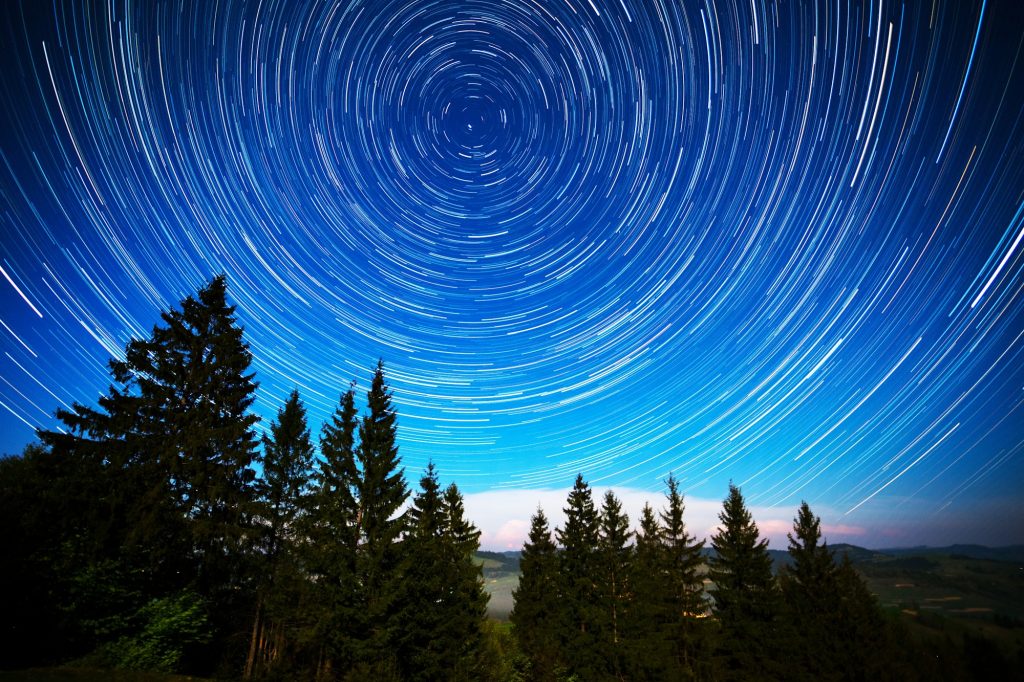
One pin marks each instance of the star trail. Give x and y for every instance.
(777, 243)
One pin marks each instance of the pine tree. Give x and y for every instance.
(648, 637)
(579, 540)
(287, 471)
(746, 600)
(443, 603)
(813, 565)
(421, 650)
(535, 610)
(334, 539)
(687, 605)
(467, 612)
(284, 501)
(174, 438)
(613, 565)
(811, 590)
(838, 631)
(194, 391)
(336, 497)
(381, 493)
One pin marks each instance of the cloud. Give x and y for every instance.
(774, 528)
(841, 529)
(503, 516)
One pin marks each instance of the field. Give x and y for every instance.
(956, 586)
(501, 575)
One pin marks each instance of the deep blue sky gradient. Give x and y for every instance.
(777, 243)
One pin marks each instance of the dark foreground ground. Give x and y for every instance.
(89, 675)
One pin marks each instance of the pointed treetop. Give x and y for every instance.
(539, 538)
(813, 562)
(650, 531)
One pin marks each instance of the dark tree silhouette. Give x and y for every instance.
(175, 442)
(613, 565)
(535, 614)
(283, 506)
(687, 604)
(746, 597)
(578, 613)
(381, 493)
(334, 538)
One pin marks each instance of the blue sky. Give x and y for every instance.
(778, 244)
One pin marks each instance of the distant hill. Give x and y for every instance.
(499, 562)
(857, 554)
(1013, 553)
(961, 581)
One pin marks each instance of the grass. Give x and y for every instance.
(70, 674)
(955, 586)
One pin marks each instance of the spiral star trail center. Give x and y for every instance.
(773, 243)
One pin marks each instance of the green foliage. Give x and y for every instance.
(381, 493)
(166, 629)
(443, 602)
(501, 659)
(746, 598)
(535, 611)
(577, 589)
(613, 587)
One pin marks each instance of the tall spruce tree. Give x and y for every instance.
(746, 597)
(175, 439)
(287, 474)
(686, 601)
(443, 603)
(467, 609)
(381, 493)
(284, 501)
(613, 564)
(648, 638)
(810, 587)
(334, 538)
(423, 652)
(578, 613)
(813, 565)
(838, 629)
(535, 610)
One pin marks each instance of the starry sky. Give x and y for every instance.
(778, 243)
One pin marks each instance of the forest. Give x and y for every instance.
(157, 531)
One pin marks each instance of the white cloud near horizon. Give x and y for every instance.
(503, 516)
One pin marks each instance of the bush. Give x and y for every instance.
(168, 628)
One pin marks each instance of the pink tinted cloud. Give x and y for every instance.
(510, 535)
(843, 529)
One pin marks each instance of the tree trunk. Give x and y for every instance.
(250, 659)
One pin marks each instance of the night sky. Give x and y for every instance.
(773, 242)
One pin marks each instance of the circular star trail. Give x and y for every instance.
(778, 243)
